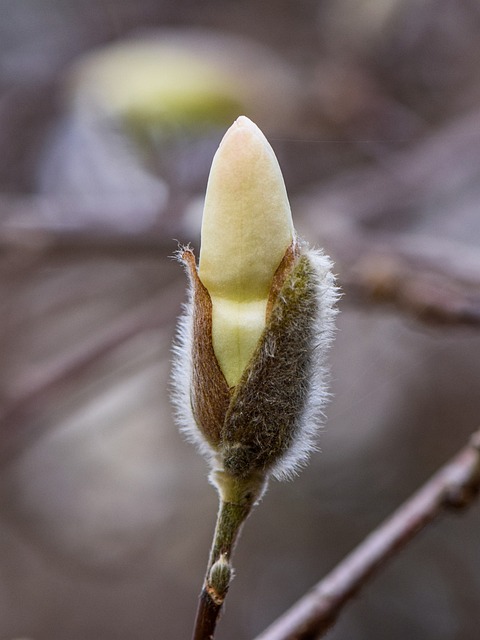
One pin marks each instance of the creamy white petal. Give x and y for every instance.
(247, 228)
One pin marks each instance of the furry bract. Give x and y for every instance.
(250, 369)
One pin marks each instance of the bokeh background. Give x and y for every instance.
(110, 112)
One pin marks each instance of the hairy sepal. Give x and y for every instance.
(268, 422)
(275, 410)
(200, 393)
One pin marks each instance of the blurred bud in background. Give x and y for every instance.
(142, 119)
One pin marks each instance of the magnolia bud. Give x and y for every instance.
(246, 229)
(250, 368)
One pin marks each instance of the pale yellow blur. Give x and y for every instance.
(151, 82)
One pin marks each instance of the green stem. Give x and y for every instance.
(237, 498)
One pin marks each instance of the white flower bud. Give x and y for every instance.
(247, 228)
(250, 373)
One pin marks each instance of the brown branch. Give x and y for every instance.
(231, 518)
(454, 486)
(47, 240)
(403, 182)
(432, 280)
(435, 281)
(23, 228)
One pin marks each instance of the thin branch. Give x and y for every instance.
(47, 240)
(229, 523)
(404, 182)
(237, 499)
(454, 486)
(435, 281)
(26, 227)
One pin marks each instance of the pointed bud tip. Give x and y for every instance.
(244, 139)
(242, 122)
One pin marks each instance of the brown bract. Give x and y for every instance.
(210, 395)
(281, 273)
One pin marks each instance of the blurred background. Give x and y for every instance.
(110, 112)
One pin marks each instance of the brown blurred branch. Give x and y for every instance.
(45, 240)
(402, 184)
(435, 281)
(454, 486)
